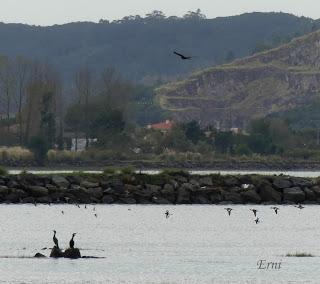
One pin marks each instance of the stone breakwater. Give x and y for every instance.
(178, 188)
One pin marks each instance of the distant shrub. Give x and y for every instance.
(127, 170)
(110, 171)
(3, 171)
(174, 172)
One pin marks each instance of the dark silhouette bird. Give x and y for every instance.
(96, 215)
(254, 212)
(35, 203)
(71, 243)
(85, 206)
(257, 220)
(183, 57)
(229, 210)
(167, 214)
(55, 240)
(78, 205)
(275, 209)
(299, 206)
(62, 212)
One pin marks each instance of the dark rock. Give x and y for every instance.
(183, 196)
(75, 179)
(268, 194)
(39, 255)
(205, 181)
(44, 199)
(250, 196)
(3, 190)
(281, 183)
(56, 252)
(72, 253)
(160, 200)
(28, 199)
(96, 192)
(12, 198)
(153, 189)
(316, 190)
(38, 191)
(215, 197)
(128, 200)
(310, 195)
(107, 199)
(231, 181)
(301, 182)
(60, 181)
(293, 194)
(202, 199)
(232, 196)
(88, 184)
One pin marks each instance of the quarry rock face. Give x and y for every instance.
(232, 94)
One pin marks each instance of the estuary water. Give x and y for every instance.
(307, 174)
(196, 244)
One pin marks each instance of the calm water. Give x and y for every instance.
(197, 244)
(199, 172)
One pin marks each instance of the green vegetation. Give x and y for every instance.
(3, 171)
(299, 254)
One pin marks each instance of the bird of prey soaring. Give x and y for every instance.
(183, 57)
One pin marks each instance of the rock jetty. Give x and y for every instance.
(165, 188)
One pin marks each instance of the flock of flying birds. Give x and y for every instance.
(257, 220)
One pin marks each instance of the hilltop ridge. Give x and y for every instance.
(230, 95)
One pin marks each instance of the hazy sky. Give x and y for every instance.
(48, 12)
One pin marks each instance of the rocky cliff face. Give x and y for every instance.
(231, 95)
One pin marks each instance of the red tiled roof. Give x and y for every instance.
(167, 125)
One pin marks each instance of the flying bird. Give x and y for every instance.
(167, 214)
(275, 209)
(229, 210)
(254, 212)
(183, 57)
(299, 206)
(71, 243)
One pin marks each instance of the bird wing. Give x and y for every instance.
(178, 54)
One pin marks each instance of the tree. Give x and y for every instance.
(193, 132)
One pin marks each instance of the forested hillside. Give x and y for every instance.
(140, 48)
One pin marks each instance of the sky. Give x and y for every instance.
(49, 12)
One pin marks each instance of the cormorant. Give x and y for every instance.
(257, 220)
(71, 243)
(167, 214)
(299, 206)
(229, 210)
(275, 209)
(254, 212)
(96, 215)
(55, 240)
(62, 212)
(183, 57)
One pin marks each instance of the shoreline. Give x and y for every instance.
(175, 187)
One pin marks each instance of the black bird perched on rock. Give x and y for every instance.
(254, 212)
(55, 240)
(71, 243)
(299, 206)
(257, 220)
(183, 57)
(275, 209)
(229, 210)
